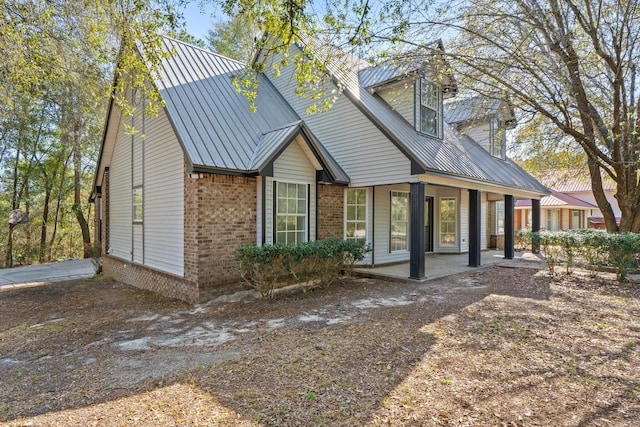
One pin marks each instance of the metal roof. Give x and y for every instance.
(461, 110)
(374, 76)
(573, 181)
(558, 199)
(454, 155)
(213, 121)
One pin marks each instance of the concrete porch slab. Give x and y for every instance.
(443, 265)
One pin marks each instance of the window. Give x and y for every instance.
(497, 140)
(498, 222)
(291, 213)
(137, 204)
(551, 223)
(399, 221)
(429, 113)
(355, 224)
(448, 221)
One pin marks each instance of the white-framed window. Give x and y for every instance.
(137, 204)
(498, 218)
(448, 221)
(291, 213)
(551, 219)
(429, 108)
(399, 226)
(355, 215)
(497, 140)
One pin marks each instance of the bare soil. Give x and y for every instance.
(497, 346)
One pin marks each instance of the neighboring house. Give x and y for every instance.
(206, 176)
(571, 204)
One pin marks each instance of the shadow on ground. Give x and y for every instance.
(362, 352)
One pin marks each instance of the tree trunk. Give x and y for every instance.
(43, 228)
(77, 200)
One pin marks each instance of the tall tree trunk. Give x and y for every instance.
(77, 200)
(43, 228)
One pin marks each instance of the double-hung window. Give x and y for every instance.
(429, 114)
(291, 213)
(448, 221)
(399, 221)
(356, 214)
(497, 140)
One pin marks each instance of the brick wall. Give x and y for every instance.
(330, 211)
(150, 279)
(220, 216)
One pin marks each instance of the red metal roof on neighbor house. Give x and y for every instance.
(558, 199)
(572, 181)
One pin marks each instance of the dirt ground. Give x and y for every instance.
(498, 346)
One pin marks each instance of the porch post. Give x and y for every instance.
(475, 208)
(509, 236)
(417, 237)
(535, 225)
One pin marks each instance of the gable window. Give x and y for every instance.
(137, 204)
(429, 111)
(291, 213)
(399, 240)
(448, 223)
(355, 218)
(498, 140)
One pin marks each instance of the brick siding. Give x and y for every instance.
(147, 278)
(220, 216)
(330, 212)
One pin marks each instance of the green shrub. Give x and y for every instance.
(597, 249)
(623, 253)
(323, 261)
(523, 240)
(551, 248)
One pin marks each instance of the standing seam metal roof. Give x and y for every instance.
(213, 121)
(449, 156)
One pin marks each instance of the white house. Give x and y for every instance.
(207, 176)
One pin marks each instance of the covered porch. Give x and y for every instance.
(443, 265)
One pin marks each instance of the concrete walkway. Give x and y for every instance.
(443, 265)
(36, 275)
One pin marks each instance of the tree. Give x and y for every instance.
(235, 38)
(573, 63)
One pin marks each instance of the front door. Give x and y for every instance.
(428, 224)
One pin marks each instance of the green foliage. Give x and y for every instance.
(323, 261)
(595, 249)
(235, 38)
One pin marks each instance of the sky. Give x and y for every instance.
(201, 18)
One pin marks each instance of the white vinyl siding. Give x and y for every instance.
(120, 212)
(362, 150)
(481, 134)
(401, 99)
(292, 166)
(163, 197)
